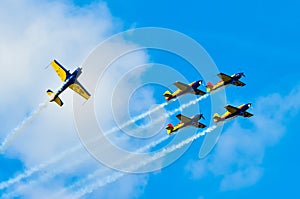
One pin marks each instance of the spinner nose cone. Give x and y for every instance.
(249, 105)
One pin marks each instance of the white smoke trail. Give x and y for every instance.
(16, 131)
(101, 171)
(61, 156)
(22, 187)
(143, 115)
(37, 168)
(112, 178)
(186, 105)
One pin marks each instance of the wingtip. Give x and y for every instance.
(178, 115)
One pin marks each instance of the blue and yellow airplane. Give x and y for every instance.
(186, 122)
(233, 112)
(184, 89)
(69, 81)
(226, 80)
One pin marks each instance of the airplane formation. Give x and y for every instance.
(192, 88)
(70, 81)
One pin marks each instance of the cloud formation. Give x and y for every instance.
(238, 157)
(36, 33)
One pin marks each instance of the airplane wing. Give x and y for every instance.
(181, 86)
(183, 118)
(78, 88)
(60, 70)
(247, 114)
(239, 83)
(231, 109)
(199, 125)
(224, 77)
(200, 92)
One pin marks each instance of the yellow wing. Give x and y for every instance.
(247, 114)
(239, 83)
(199, 125)
(78, 88)
(224, 77)
(183, 118)
(60, 70)
(181, 86)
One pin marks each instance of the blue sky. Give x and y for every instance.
(253, 158)
(259, 38)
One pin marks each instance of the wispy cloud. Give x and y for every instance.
(108, 179)
(26, 121)
(37, 33)
(239, 154)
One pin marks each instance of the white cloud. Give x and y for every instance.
(35, 34)
(130, 186)
(32, 34)
(239, 154)
(241, 178)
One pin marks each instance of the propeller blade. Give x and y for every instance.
(47, 66)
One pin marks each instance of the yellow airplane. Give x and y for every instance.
(226, 80)
(69, 80)
(186, 122)
(184, 89)
(233, 112)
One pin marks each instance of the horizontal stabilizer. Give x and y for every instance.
(169, 128)
(49, 92)
(57, 99)
(167, 94)
(216, 117)
(209, 87)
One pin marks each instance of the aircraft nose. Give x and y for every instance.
(249, 105)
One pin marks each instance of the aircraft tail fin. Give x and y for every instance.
(216, 117)
(167, 95)
(170, 128)
(209, 87)
(57, 100)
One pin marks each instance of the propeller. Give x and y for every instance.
(242, 74)
(47, 66)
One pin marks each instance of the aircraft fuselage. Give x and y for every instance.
(70, 80)
(193, 88)
(242, 109)
(194, 120)
(236, 77)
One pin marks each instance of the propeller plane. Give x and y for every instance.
(69, 81)
(186, 122)
(184, 89)
(233, 112)
(226, 80)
